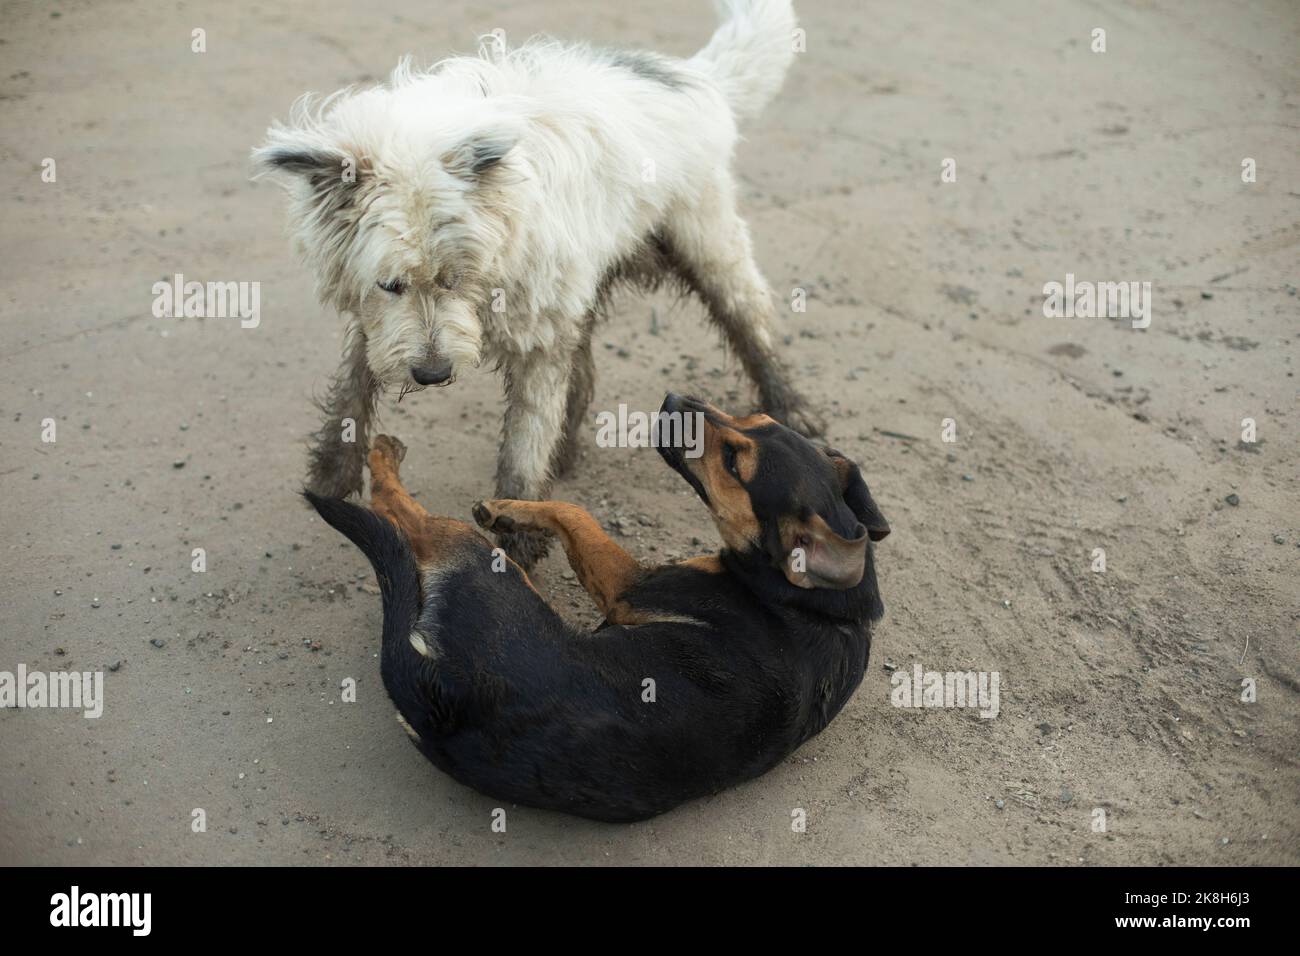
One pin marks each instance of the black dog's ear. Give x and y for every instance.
(818, 557)
(856, 495)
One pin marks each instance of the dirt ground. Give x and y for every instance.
(1120, 691)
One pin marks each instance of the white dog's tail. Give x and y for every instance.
(749, 54)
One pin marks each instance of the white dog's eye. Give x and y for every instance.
(395, 286)
(448, 280)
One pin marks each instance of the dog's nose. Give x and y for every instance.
(433, 373)
(683, 403)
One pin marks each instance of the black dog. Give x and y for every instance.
(705, 673)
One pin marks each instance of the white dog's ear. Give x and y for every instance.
(480, 152)
(306, 154)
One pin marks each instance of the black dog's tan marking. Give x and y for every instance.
(427, 535)
(750, 652)
(603, 568)
(433, 539)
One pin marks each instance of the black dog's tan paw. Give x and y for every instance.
(389, 447)
(489, 517)
(511, 522)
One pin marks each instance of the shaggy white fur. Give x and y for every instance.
(481, 210)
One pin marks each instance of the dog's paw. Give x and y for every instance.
(490, 517)
(389, 447)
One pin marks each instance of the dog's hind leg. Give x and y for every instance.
(605, 570)
(430, 535)
(338, 450)
(708, 246)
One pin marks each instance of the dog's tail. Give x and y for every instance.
(750, 53)
(389, 554)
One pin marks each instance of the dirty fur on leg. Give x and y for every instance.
(335, 465)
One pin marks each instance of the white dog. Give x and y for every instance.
(484, 209)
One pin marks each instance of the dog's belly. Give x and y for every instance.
(610, 763)
(508, 699)
(553, 322)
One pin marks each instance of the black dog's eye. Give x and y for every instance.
(395, 286)
(729, 460)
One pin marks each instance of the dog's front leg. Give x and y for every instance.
(536, 391)
(338, 448)
(604, 569)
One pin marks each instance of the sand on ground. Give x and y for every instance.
(1121, 695)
